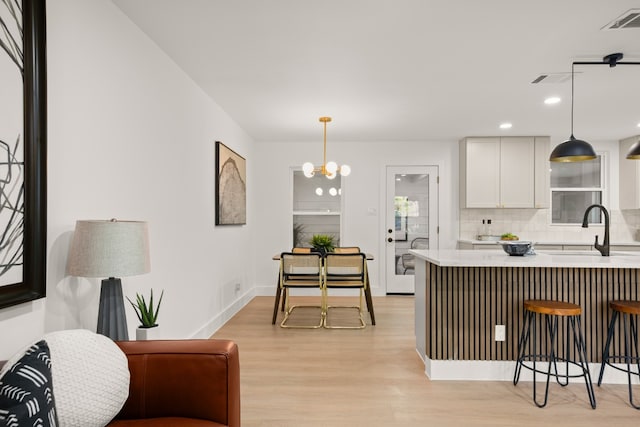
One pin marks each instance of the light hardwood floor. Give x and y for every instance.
(374, 377)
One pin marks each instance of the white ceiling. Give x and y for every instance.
(403, 70)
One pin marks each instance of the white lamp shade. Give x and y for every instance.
(331, 167)
(109, 249)
(307, 168)
(319, 191)
(345, 170)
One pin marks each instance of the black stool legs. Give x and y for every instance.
(628, 355)
(573, 331)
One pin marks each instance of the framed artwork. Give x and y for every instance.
(23, 151)
(231, 187)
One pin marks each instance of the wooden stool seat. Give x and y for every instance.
(629, 307)
(555, 308)
(555, 360)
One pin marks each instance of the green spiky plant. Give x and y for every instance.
(322, 242)
(146, 313)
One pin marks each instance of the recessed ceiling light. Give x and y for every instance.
(552, 100)
(505, 125)
(639, 125)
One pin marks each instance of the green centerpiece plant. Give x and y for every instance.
(322, 243)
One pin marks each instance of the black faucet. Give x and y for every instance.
(604, 248)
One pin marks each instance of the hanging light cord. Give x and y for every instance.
(572, 85)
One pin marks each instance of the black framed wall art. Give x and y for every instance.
(231, 187)
(23, 151)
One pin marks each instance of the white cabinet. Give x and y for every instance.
(629, 176)
(508, 172)
(480, 167)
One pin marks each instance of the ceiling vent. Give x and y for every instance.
(629, 19)
(552, 78)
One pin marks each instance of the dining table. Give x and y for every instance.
(367, 293)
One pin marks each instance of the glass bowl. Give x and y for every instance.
(515, 247)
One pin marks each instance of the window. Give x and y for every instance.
(317, 204)
(575, 186)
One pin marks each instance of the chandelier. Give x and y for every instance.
(330, 169)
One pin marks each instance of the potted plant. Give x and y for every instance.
(147, 314)
(322, 243)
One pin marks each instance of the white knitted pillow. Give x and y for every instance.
(90, 377)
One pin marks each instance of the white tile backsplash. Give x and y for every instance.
(535, 225)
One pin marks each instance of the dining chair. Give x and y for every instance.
(295, 250)
(347, 250)
(298, 250)
(408, 260)
(345, 271)
(301, 270)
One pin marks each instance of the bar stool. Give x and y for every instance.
(552, 310)
(629, 311)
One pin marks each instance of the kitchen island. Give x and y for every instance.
(461, 295)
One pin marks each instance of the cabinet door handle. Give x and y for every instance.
(389, 240)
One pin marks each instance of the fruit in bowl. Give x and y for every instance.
(509, 236)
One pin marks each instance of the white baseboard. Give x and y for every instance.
(490, 370)
(215, 323)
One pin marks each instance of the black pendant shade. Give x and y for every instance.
(573, 150)
(634, 152)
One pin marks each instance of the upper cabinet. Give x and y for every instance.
(629, 176)
(504, 172)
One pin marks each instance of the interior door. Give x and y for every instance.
(411, 222)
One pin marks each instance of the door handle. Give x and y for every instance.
(389, 240)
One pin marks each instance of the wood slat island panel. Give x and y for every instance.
(465, 303)
(461, 304)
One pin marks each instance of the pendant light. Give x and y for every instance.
(634, 152)
(572, 150)
(331, 169)
(575, 150)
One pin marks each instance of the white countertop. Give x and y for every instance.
(498, 258)
(542, 242)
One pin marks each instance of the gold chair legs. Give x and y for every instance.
(362, 324)
(289, 310)
(325, 308)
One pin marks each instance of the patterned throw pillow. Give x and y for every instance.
(26, 390)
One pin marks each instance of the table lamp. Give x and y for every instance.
(111, 249)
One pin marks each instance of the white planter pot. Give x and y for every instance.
(145, 334)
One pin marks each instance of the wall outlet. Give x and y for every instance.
(500, 332)
(237, 287)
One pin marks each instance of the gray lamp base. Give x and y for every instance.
(112, 320)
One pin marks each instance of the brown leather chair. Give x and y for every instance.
(186, 383)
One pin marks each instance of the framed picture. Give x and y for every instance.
(23, 151)
(231, 187)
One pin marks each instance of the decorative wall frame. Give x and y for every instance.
(23, 164)
(231, 187)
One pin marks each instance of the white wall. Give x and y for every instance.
(132, 137)
(362, 190)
